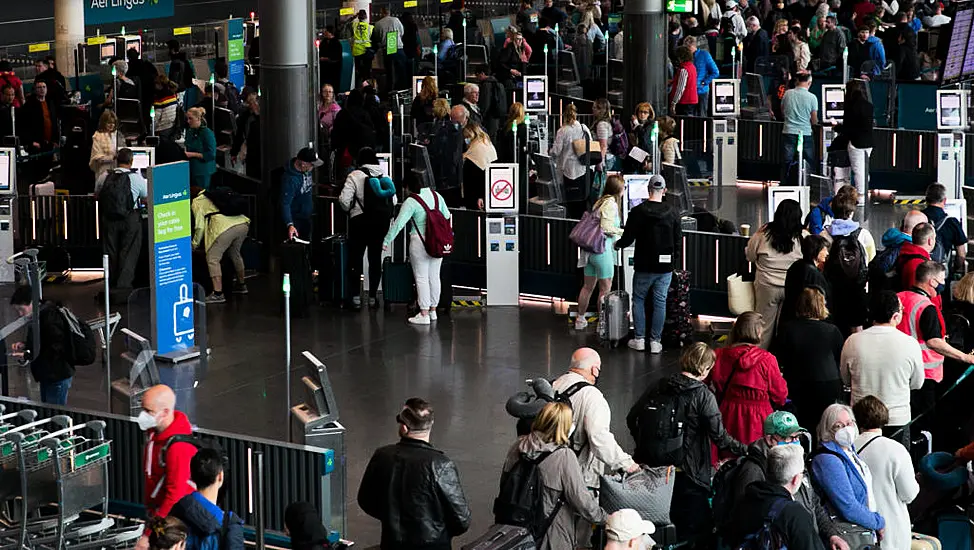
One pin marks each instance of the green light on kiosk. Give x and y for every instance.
(152, 112)
(286, 286)
(546, 50)
(212, 78)
(114, 71)
(464, 22)
(123, 29)
(435, 49)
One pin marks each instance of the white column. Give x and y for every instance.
(69, 31)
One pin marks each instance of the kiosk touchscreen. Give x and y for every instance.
(8, 167)
(726, 97)
(951, 110)
(637, 190)
(143, 158)
(385, 163)
(107, 51)
(952, 121)
(833, 101)
(536, 93)
(8, 190)
(778, 194)
(418, 84)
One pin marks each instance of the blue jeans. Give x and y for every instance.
(55, 393)
(791, 146)
(642, 283)
(703, 103)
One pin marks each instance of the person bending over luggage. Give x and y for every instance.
(119, 194)
(413, 488)
(422, 203)
(302, 523)
(564, 495)
(894, 482)
(681, 403)
(50, 366)
(221, 235)
(369, 198)
(297, 194)
(773, 503)
(843, 478)
(627, 530)
(781, 428)
(166, 534)
(199, 510)
(600, 268)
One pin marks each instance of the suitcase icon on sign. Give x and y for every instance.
(182, 313)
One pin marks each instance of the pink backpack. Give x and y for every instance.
(439, 235)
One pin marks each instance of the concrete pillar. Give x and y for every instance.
(285, 79)
(69, 31)
(644, 48)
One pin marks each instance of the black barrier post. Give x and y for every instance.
(259, 501)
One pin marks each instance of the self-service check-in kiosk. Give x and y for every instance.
(798, 194)
(833, 109)
(725, 96)
(952, 121)
(8, 211)
(637, 191)
(126, 42)
(503, 284)
(143, 157)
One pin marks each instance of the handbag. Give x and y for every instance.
(740, 295)
(587, 233)
(589, 151)
(648, 491)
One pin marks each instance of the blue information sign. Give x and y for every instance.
(170, 221)
(99, 12)
(235, 52)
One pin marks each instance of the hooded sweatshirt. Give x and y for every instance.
(561, 479)
(297, 197)
(793, 522)
(895, 237)
(204, 518)
(840, 228)
(877, 53)
(165, 486)
(746, 380)
(655, 228)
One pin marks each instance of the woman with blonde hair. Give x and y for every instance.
(514, 125)
(600, 268)
(422, 110)
(200, 148)
(564, 494)
(572, 172)
(480, 153)
(104, 144)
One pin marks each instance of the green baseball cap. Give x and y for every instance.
(781, 424)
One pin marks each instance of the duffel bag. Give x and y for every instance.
(648, 491)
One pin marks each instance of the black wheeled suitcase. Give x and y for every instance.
(332, 266)
(503, 537)
(296, 263)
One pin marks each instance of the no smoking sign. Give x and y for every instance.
(501, 187)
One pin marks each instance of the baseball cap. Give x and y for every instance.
(626, 524)
(310, 156)
(657, 182)
(730, 4)
(781, 424)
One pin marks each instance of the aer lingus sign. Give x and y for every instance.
(99, 12)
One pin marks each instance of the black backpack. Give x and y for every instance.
(722, 491)
(940, 252)
(115, 198)
(524, 424)
(373, 205)
(521, 498)
(82, 348)
(848, 259)
(227, 201)
(882, 271)
(660, 428)
(768, 538)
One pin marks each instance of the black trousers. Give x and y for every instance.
(690, 512)
(121, 241)
(900, 434)
(812, 398)
(365, 234)
(922, 401)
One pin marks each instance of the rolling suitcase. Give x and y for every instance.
(333, 271)
(677, 329)
(503, 537)
(954, 531)
(398, 286)
(295, 262)
(614, 318)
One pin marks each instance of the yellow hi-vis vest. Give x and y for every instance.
(361, 37)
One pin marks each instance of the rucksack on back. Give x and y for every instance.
(82, 348)
(377, 196)
(115, 198)
(227, 201)
(521, 498)
(619, 146)
(940, 252)
(439, 235)
(660, 429)
(722, 492)
(848, 257)
(768, 537)
(882, 271)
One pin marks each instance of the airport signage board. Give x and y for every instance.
(99, 12)
(235, 52)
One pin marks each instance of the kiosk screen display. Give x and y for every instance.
(384, 161)
(417, 85)
(725, 99)
(133, 45)
(535, 93)
(141, 160)
(834, 103)
(637, 189)
(107, 50)
(950, 110)
(5, 167)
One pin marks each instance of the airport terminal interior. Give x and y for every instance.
(281, 351)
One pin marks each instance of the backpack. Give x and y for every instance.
(377, 195)
(619, 146)
(82, 347)
(212, 541)
(521, 498)
(232, 95)
(115, 197)
(882, 271)
(847, 257)
(722, 491)
(439, 235)
(940, 252)
(660, 428)
(768, 538)
(227, 201)
(524, 423)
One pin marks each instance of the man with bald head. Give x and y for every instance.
(168, 480)
(592, 441)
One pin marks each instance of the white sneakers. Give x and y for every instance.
(581, 323)
(639, 344)
(419, 319)
(432, 315)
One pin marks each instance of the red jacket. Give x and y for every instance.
(747, 380)
(165, 486)
(910, 257)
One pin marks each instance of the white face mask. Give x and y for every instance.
(146, 421)
(846, 436)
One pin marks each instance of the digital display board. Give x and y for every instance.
(535, 93)
(959, 64)
(951, 110)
